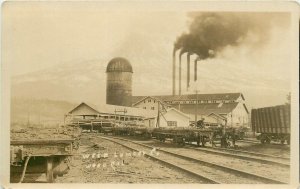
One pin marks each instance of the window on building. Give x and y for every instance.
(213, 101)
(149, 100)
(172, 123)
(144, 107)
(152, 108)
(199, 101)
(154, 101)
(144, 101)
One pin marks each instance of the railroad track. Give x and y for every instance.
(207, 171)
(258, 142)
(242, 154)
(234, 151)
(246, 155)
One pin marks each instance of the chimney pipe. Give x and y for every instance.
(174, 72)
(195, 69)
(188, 71)
(179, 82)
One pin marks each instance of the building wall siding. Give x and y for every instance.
(239, 117)
(148, 104)
(172, 115)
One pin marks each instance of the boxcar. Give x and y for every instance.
(273, 123)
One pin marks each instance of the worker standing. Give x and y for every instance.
(223, 139)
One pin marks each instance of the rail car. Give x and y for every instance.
(35, 156)
(272, 123)
(179, 135)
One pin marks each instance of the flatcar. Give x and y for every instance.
(36, 156)
(179, 135)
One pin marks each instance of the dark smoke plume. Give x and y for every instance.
(210, 33)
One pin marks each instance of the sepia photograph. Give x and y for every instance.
(105, 94)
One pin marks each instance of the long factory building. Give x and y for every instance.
(223, 107)
(176, 110)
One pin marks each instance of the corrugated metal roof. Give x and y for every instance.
(218, 96)
(83, 109)
(110, 109)
(132, 111)
(176, 110)
(207, 108)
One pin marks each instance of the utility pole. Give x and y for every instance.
(124, 111)
(158, 112)
(196, 108)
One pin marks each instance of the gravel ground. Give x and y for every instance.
(271, 149)
(34, 132)
(136, 169)
(98, 160)
(263, 169)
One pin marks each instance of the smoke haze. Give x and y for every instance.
(210, 33)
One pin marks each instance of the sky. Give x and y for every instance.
(39, 36)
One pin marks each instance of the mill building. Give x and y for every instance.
(213, 108)
(165, 110)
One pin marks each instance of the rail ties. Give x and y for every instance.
(187, 171)
(243, 157)
(251, 153)
(221, 167)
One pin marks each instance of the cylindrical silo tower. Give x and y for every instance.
(119, 82)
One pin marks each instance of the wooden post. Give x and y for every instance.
(196, 109)
(158, 116)
(49, 169)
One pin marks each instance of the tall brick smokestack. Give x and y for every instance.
(179, 75)
(174, 72)
(188, 58)
(182, 51)
(195, 68)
